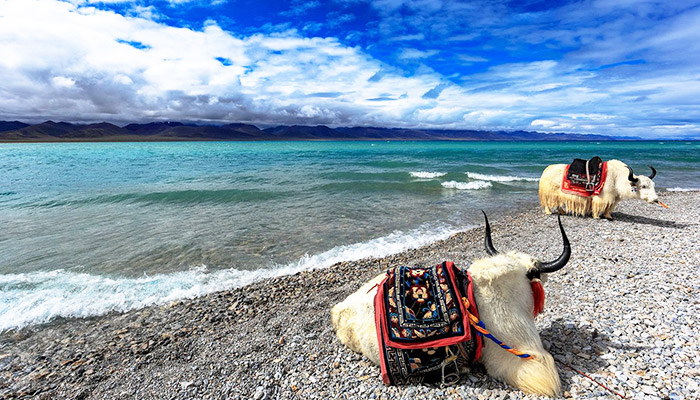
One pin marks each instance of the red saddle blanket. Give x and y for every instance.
(423, 324)
(581, 187)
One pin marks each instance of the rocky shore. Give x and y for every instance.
(623, 311)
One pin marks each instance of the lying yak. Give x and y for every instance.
(504, 289)
(619, 182)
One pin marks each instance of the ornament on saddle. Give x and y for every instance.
(423, 326)
(585, 177)
(428, 324)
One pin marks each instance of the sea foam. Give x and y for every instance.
(38, 297)
(427, 175)
(499, 178)
(476, 185)
(680, 189)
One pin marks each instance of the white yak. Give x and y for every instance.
(621, 183)
(504, 296)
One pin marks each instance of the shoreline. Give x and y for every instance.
(140, 139)
(273, 339)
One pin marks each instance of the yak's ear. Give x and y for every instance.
(537, 296)
(534, 273)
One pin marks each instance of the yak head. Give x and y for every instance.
(508, 294)
(513, 278)
(644, 186)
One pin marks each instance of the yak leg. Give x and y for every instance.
(353, 320)
(516, 327)
(607, 214)
(537, 375)
(602, 207)
(554, 209)
(609, 210)
(546, 202)
(598, 207)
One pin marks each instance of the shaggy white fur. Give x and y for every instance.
(504, 297)
(353, 320)
(617, 187)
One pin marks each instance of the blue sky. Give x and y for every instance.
(607, 67)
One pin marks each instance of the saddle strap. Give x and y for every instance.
(481, 329)
(588, 173)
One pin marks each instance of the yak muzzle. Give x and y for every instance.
(661, 204)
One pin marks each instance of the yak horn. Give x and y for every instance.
(653, 172)
(560, 262)
(631, 177)
(488, 244)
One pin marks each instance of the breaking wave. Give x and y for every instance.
(680, 189)
(476, 185)
(427, 175)
(38, 297)
(500, 178)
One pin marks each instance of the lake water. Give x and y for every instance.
(86, 228)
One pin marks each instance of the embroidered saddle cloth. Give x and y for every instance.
(423, 325)
(584, 177)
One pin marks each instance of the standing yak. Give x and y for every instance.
(505, 287)
(620, 183)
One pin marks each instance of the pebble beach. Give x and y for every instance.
(624, 311)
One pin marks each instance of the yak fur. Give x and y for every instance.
(504, 297)
(617, 187)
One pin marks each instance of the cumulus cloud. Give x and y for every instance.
(109, 67)
(72, 61)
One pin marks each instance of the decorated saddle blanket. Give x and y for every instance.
(584, 177)
(423, 324)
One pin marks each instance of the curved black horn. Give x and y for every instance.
(488, 244)
(631, 177)
(653, 172)
(560, 262)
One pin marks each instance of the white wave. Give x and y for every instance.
(476, 185)
(680, 189)
(499, 178)
(427, 175)
(38, 297)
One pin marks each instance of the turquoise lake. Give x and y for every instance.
(87, 228)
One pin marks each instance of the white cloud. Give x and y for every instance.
(62, 81)
(416, 36)
(471, 59)
(409, 54)
(123, 69)
(70, 61)
(463, 37)
(549, 125)
(300, 7)
(146, 12)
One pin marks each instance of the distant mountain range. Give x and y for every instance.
(49, 131)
